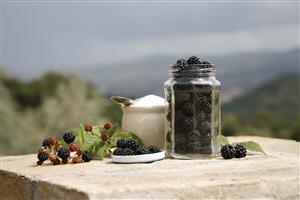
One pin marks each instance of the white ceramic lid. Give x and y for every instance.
(139, 158)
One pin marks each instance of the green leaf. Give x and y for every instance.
(103, 150)
(98, 146)
(125, 135)
(222, 140)
(113, 129)
(90, 141)
(252, 146)
(77, 132)
(82, 135)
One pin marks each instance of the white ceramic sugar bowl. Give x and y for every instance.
(146, 118)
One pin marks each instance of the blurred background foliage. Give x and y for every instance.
(48, 106)
(33, 110)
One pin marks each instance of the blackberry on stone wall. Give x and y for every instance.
(43, 156)
(240, 151)
(227, 151)
(63, 153)
(87, 156)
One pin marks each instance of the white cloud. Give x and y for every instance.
(278, 38)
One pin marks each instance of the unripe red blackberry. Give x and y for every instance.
(73, 147)
(88, 127)
(107, 125)
(104, 137)
(52, 140)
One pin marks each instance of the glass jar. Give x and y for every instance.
(193, 113)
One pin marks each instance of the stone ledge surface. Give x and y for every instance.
(275, 176)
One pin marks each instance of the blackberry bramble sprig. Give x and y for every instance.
(239, 149)
(81, 144)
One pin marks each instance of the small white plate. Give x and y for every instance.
(139, 158)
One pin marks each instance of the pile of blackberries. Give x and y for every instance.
(191, 63)
(132, 147)
(237, 151)
(53, 150)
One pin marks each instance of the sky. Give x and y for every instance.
(40, 36)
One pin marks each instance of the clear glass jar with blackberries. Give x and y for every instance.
(193, 113)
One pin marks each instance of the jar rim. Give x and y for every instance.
(193, 71)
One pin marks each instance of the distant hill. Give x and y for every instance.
(238, 73)
(280, 97)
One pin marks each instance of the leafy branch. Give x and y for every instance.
(249, 145)
(95, 141)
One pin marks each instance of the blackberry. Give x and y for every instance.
(46, 143)
(179, 117)
(206, 64)
(63, 153)
(43, 156)
(227, 151)
(193, 60)
(240, 151)
(189, 123)
(132, 144)
(180, 63)
(128, 152)
(181, 96)
(187, 109)
(142, 150)
(119, 152)
(69, 137)
(194, 136)
(154, 149)
(87, 156)
(180, 147)
(121, 143)
(194, 147)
